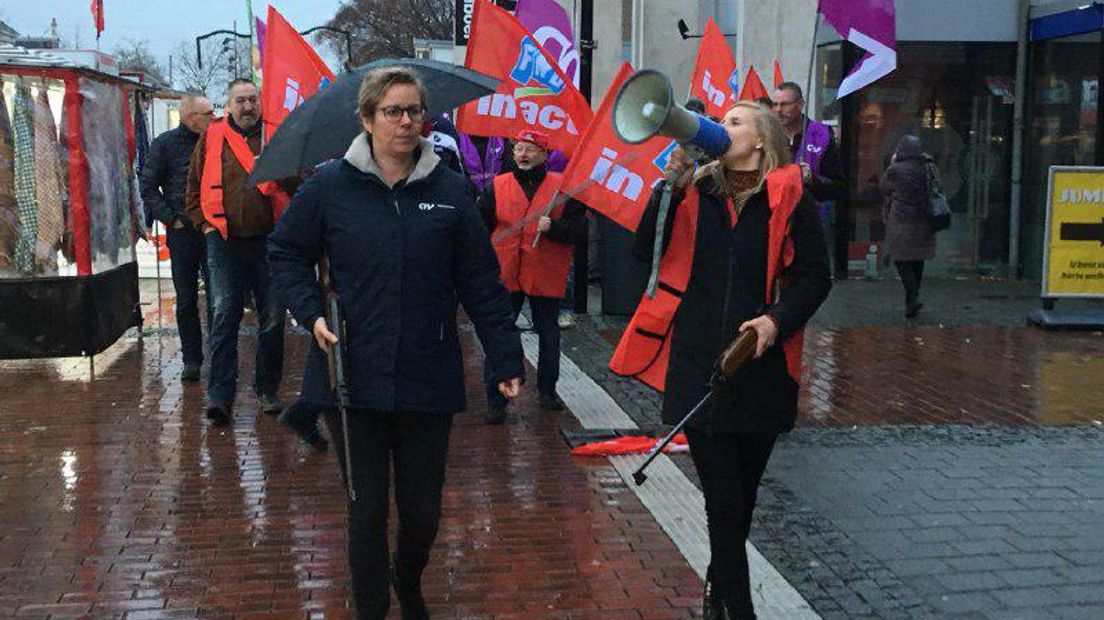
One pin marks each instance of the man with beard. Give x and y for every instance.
(534, 245)
(235, 220)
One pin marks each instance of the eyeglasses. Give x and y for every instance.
(526, 148)
(394, 113)
(779, 104)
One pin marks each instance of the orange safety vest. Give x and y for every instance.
(210, 189)
(645, 347)
(540, 271)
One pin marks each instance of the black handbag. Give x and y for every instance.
(939, 213)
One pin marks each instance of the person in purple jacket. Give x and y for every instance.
(814, 147)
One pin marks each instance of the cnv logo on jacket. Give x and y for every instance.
(532, 65)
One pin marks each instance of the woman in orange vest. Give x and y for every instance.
(744, 250)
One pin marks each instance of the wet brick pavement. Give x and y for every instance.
(117, 501)
(951, 467)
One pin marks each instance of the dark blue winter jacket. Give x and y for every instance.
(401, 259)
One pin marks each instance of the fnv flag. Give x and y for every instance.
(534, 93)
(715, 78)
(291, 68)
(610, 176)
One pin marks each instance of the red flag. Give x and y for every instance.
(714, 79)
(778, 79)
(291, 68)
(610, 176)
(97, 16)
(753, 87)
(534, 93)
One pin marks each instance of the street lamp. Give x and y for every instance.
(225, 42)
(684, 31)
(348, 42)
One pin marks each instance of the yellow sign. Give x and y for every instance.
(1073, 263)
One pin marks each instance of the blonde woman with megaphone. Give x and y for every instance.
(743, 250)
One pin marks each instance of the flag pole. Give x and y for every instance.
(809, 87)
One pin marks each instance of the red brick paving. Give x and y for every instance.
(956, 375)
(116, 501)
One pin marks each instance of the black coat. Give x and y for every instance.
(165, 174)
(401, 259)
(762, 399)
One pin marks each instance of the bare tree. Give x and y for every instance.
(136, 56)
(222, 61)
(384, 28)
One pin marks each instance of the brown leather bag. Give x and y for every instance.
(738, 354)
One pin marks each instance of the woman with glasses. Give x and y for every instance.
(405, 244)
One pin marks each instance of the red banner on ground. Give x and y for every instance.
(292, 71)
(534, 94)
(715, 79)
(610, 176)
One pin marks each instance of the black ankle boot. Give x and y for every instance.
(410, 597)
(712, 609)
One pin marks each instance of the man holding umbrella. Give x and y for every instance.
(405, 245)
(235, 217)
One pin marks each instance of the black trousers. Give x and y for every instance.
(912, 272)
(188, 251)
(417, 444)
(546, 315)
(730, 467)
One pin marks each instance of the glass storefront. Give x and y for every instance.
(957, 97)
(1062, 127)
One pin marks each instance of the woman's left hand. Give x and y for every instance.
(766, 330)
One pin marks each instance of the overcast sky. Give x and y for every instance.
(164, 23)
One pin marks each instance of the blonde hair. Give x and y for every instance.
(377, 81)
(776, 153)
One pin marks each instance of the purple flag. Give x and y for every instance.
(261, 31)
(551, 28)
(870, 24)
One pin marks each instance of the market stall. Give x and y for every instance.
(70, 209)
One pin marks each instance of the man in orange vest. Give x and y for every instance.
(534, 246)
(236, 220)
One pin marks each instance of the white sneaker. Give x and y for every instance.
(567, 320)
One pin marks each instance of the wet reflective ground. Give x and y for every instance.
(117, 500)
(977, 374)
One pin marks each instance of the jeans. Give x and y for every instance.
(238, 265)
(546, 315)
(188, 251)
(416, 443)
(730, 467)
(912, 272)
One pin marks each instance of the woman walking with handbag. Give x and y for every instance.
(910, 236)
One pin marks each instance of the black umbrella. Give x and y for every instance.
(322, 127)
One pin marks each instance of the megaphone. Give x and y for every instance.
(645, 107)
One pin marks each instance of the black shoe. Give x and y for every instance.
(913, 310)
(219, 415)
(711, 607)
(190, 374)
(307, 431)
(270, 404)
(410, 597)
(550, 402)
(495, 415)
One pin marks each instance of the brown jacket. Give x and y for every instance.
(248, 211)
